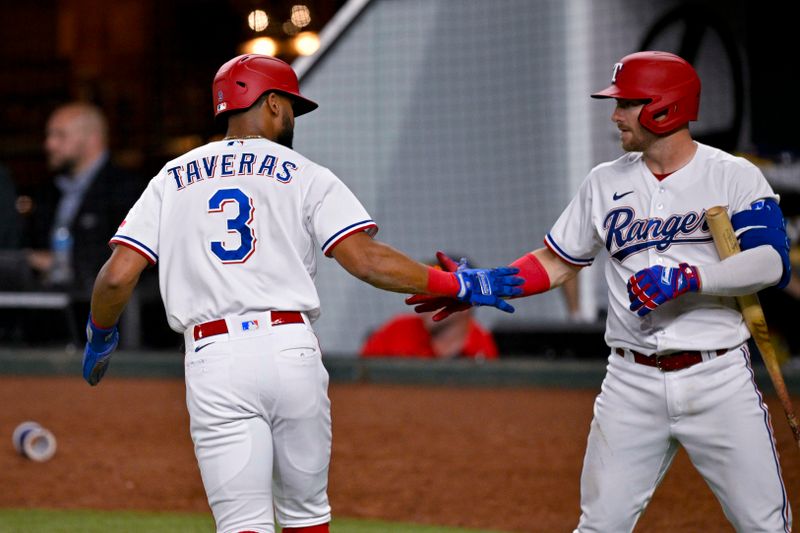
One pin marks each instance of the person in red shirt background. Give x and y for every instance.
(459, 335)
(417, 335)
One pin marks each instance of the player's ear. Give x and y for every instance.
(273, 102)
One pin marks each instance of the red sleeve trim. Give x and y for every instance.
(113, 242)
(563, 259)
(371, 230)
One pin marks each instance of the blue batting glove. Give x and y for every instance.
(443, 305)
(481, 286)
(651, 287)
(97, 354)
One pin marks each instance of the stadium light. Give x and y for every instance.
(258, 20)
(260, 45)
(306, 43)
(301, 16)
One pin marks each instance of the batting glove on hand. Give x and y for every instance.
(97, 354)
(477, 287)
(651, 287)
(487, 286)
(445, 306)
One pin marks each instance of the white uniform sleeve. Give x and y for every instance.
(139, 230)
(744, 273)
(574, 238)
(333, 212)
(748, 185)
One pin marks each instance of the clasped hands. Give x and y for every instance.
(478, 287)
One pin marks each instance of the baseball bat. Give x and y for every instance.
(727, 245)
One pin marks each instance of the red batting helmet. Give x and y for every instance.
(669, 83)
(243, 79)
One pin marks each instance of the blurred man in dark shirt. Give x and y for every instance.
(80, 210)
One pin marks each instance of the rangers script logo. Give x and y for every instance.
(627, 235)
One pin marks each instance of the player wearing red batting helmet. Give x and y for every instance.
(679, 371)
(233, 226)
(669, 84)
(243, 79)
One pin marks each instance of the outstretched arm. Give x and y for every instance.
(541, 269)
(380, 265)
(558, 272)
(384, 267)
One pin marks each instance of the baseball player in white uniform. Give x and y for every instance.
(679, 369)
(233, 226)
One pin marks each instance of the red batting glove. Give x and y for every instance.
(446, 262)
(446, 306)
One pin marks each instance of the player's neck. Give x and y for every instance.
(671, 153)
(247, 126)
(244, 133)
(230, 137)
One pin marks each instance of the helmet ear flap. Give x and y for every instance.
(668, 81)
(653, 115)
(677, 111)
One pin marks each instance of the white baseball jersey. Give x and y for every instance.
(713, 409)
(232, 225)
(642, 222)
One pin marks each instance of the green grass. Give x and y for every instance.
(72, 521)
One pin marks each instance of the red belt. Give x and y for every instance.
(217, 327)
(669, 362)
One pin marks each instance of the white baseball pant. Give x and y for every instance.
(261, 425)
(714, 410)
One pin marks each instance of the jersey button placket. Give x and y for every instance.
(655, 206)
(662, 199)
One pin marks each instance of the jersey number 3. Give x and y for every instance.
(238, 224)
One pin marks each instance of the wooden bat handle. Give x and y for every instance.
(727, 245)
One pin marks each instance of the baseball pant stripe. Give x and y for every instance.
(768, 423)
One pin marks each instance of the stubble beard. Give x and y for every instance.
(637, 141)
(62, 166)
(286, 135)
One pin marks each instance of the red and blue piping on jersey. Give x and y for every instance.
(564, 256)
(365, 225)
(136, 246)
(627, 235)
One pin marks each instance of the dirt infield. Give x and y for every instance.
(507, 459)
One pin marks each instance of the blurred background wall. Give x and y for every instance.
(462, 125)
(468, 126)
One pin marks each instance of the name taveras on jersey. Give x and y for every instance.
(226, 165)
(627, 235)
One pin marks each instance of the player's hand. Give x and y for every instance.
(97, 354)
(488, 286)
(651, 287)
(444, 305)
(448, 264)
(477, 287)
